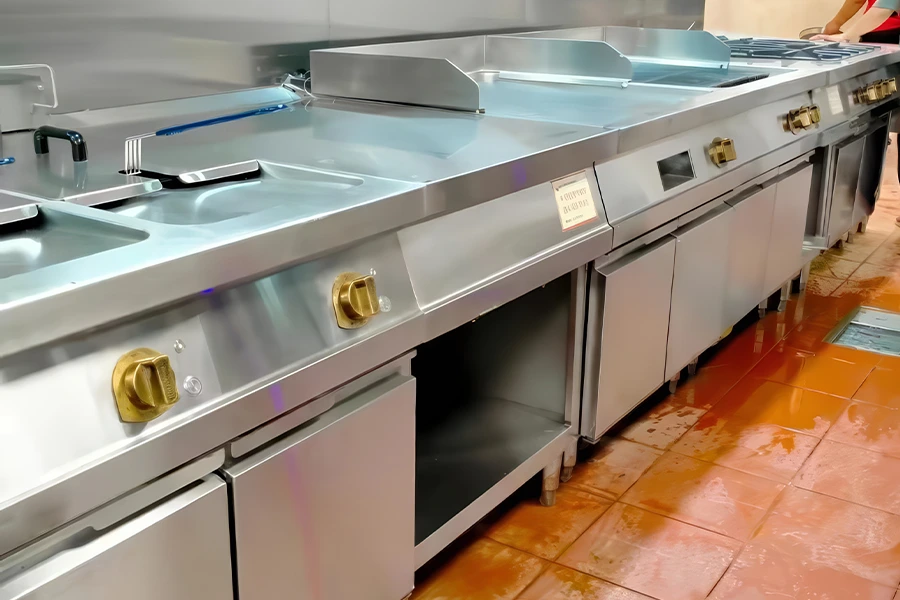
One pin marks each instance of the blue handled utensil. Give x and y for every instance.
(7, 161)
(133, 144)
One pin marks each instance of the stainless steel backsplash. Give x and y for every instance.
(115, 52)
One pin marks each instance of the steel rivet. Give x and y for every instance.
(192, 385)
(179, 346)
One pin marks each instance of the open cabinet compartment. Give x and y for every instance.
(495, 405)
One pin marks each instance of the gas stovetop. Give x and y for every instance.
(794, 49)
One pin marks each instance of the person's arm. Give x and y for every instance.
(850, 8)
(878, 14)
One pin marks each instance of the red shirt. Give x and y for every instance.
(892, 23)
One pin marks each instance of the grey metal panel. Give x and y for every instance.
(178, 550)
(785, 257)
(328, 511)
(459, 269)
(698, 288)
(751, 228)
(628, 322)
(846, 181)
(353, 19)
(677, 46)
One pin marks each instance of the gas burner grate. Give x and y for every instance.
(794, 49)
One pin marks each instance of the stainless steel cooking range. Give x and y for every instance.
(256, 341)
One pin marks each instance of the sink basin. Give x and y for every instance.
(276, 186)
(50, 238)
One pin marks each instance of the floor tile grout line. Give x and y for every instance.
(682, 521)
(794, 484)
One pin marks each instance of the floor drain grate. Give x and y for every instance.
(869, 329)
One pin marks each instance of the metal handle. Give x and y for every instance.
(43, 133)
(217, 120)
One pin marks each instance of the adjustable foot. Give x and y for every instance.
(673, 383)
(804, 276)
(785, 296)
(551, 482)
(692, 367)
(570, 457)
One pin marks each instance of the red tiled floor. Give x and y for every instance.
(662, 425)
(882, 386)
(723, 500)
(709, 385)
(853, 474)
(560, 583)
(547, 531)
(485, 570)
(808, 336)
(868, 426)
(834, 534)
(759, 449)
(762, 574)
(758, 402)
(614, 467)
(651, 554)
(805, 370)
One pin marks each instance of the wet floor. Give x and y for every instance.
(773, 473)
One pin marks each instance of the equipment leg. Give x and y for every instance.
(551, 482)
(785, 296)
(570, 456)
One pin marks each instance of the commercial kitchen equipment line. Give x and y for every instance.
(271, 338)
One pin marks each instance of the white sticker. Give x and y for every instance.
(575, 201)
(835, 104)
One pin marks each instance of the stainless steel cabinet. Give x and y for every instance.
(847, 160)
(177, 550)
(751, 228)
(626, 338)
(785, 256)
(697, 318)
(326, 513)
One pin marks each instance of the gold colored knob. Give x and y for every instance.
(355, 300)
(802, 118)
(144, 385)
(721, 151)
(890, 86)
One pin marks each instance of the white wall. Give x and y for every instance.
(772, 18)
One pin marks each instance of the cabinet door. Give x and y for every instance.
(697, 319)
(178, 549)
(327, 512)
(848, 159)
(785, 256)
(626, 339)
(748, 253)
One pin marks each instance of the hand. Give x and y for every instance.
(831, 28)
(840, 37)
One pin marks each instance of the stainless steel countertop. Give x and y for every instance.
(319, 191)
(407, 164)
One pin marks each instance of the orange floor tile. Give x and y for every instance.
(773, 473)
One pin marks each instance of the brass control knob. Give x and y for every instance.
(144, 385)
(355, 300)
(801, 119)
(721, 151)
(876, 91)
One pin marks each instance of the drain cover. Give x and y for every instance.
(869, 329)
